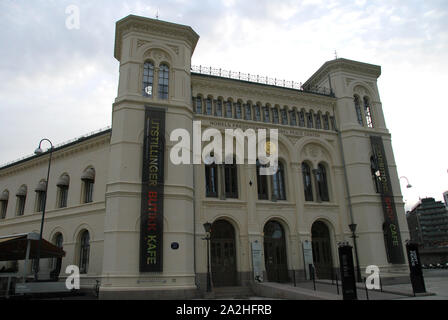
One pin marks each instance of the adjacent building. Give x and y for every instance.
(428, 226)
(130, 217)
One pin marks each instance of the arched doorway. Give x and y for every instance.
(275, 252)
(223, 254)
(321, 243)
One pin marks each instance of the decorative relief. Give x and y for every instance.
(157, 55)
(142, 42)
(361, 91)
(175, 48)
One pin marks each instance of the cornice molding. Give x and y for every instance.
(64, 152)
(341, 64)
(150, 26)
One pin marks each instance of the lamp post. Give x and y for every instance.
(208, 229)
(39, 151)
(407, 180)
(358, 269)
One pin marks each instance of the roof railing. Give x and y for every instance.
(255, 78)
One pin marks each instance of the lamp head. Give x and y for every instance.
(207, 227)
(409, 186)
(38, 151)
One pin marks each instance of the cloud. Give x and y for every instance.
(61, 83)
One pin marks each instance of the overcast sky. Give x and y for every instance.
(60, 83)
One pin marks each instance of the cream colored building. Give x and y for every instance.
(100, 176)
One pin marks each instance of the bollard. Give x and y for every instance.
(337, 284)
(294, 277)
(365, 286)
(381, 284)
(314, 279)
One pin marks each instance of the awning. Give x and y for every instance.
(89, 174)
(13, 247)
(21, 192)
(41, 186)
(4, 196)
(63, 181)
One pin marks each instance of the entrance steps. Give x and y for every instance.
(286, 291)
(232, 292)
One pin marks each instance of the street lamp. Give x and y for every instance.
(358, 269)
(208, 230)
(407, 180)
(39, 151)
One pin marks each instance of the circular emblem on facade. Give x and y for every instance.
(270, 147)
(174, 245)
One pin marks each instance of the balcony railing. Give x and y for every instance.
(254, 78)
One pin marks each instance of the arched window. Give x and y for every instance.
(229, 109)
(284, 116)
(238, 111)
(309, 120)
(63, 184)
(218, 108)
(4, 197)
(375, 172)
(163, 81)
(322, 182)
(278, 183)
(88, 179)
(211, 180)
(292, 117)
(318, 121)
(274, 115)
(148, 79)
(84, 252)
(368, 112)
(262, 183)
(21, 198)
(266, 116)
(41, 195)
(198, 101)
(301, 118)
(257, 112)
(307, 186)
(208, 106)
(326, 122)
(248, 111)
(231, 180)
(358, 111)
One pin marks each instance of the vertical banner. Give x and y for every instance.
(347, 269)
(151, 217)
(391, 228)
(417, 280)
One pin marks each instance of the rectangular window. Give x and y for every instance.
(211, 180)
(309, 119)
(262, 184)
(231, 180)
(199, 105)
(318, 123)
(41, 196)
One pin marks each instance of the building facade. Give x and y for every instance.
(428, 226)
(336, 169)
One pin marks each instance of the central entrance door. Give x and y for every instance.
(323, 262)
(275, 252)
(223, 254)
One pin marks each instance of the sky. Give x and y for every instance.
(59, 83)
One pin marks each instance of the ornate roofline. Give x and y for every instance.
(141, 24)
(343, 64)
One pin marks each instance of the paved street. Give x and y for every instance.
(436, 281)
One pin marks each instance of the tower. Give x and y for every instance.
(373, 183)
(155, 59)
